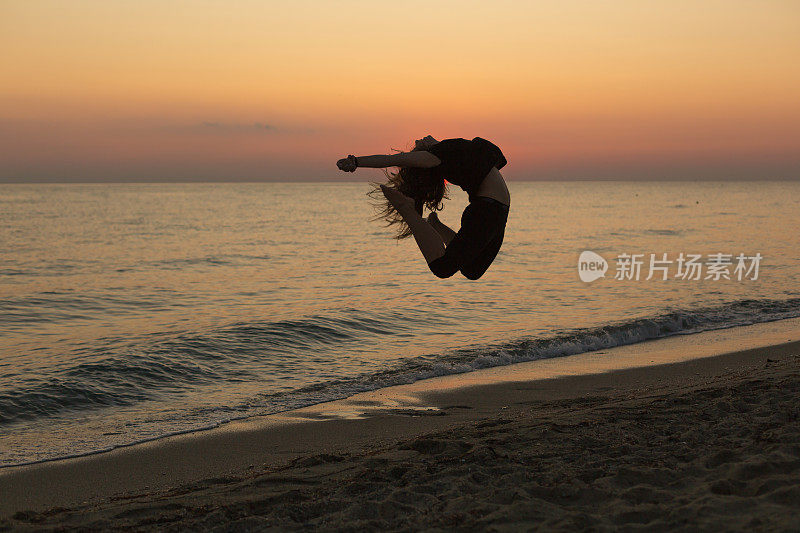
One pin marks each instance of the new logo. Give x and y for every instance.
(591, 266)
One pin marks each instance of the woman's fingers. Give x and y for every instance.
(346, 165)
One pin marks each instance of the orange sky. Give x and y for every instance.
(219, 90)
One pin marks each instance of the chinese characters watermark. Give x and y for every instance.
(716, 266)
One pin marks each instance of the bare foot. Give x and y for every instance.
(396, 198)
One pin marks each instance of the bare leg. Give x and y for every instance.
(443, 229)
(428, 239)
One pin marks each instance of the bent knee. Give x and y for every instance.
(442, 269)
(472, 274)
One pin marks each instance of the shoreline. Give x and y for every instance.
(704, 343)
(367, 423)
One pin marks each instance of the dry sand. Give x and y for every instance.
(708, 444)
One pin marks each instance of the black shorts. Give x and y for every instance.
(477, 242)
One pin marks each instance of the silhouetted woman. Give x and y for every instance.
(420, 182)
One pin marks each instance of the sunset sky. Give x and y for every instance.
(260, 90)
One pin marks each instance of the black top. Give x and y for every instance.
(465, 163)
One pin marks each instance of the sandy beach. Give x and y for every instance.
(708, 443)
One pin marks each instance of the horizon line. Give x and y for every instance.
(337, 180)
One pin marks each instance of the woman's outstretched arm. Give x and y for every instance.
(419, 159)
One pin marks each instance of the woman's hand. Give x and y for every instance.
(347, 164)
(397, 199)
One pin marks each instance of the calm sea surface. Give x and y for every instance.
(131, 311)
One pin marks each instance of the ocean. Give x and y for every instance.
(133, 311)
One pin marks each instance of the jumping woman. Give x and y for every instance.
(420, 182)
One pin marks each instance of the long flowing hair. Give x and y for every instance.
(421, 184)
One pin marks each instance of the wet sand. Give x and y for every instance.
(710, 443)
